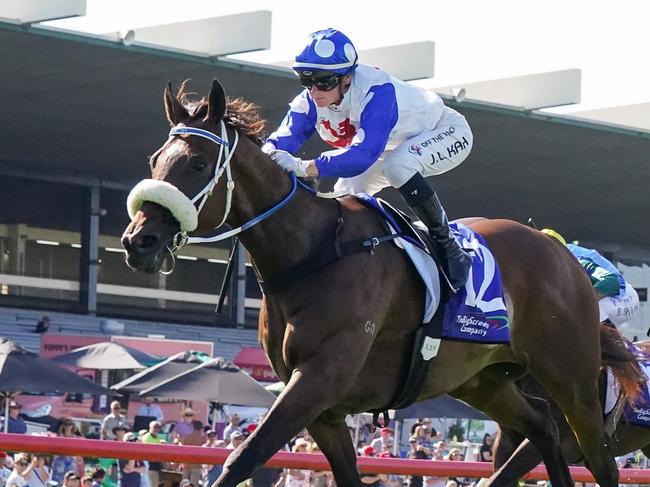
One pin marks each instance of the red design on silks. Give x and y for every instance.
(343, 136)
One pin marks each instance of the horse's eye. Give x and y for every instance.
(199, 165)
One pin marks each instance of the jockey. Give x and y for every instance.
(385, 133)
(618, 300)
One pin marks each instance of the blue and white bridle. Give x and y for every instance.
(225, 150)
(183, 208)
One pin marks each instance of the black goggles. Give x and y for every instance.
(322, 83)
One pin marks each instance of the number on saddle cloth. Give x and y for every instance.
(478, 312)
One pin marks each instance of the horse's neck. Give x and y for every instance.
(287, 237)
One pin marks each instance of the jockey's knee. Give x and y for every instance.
(430, 153)
(399, 170)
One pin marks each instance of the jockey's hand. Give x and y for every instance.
(290, 163)
(268, 148)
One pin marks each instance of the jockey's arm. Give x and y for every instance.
(298, 125)
(378, 117)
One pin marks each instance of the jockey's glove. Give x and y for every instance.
(268, 148)
(290, 163)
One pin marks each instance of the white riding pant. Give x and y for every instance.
(620, 309)
(429, 153)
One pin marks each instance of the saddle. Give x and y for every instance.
(398, 222)
(414, 232)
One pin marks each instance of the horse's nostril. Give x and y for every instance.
(148, 241)
(140, 243)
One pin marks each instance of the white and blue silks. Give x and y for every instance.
(377, 113)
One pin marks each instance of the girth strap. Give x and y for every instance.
(418, 366)
(327, 252)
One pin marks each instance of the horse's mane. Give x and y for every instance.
(240, 114)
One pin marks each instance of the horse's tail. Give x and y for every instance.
(616, 353)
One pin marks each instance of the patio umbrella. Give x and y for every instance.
(108, 356)
(23, 371)
(154, 375)
(217, 380)
(441, 407)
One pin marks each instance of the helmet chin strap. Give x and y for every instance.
(344, 89)
(341, 93)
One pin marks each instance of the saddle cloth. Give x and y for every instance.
(639, 411)
(476, 313)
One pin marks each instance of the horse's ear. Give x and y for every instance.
(216, 102)
(175, 111)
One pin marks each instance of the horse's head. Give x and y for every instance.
(185, 171)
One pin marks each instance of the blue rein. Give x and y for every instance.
(261, 217)
(277, 207)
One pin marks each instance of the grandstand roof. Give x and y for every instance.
(88, 110)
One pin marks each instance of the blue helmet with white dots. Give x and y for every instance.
(327, 50)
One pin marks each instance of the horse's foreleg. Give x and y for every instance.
(304, 398)
(334, 440)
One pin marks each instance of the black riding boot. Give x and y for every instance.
(426, 205)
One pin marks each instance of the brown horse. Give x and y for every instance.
(340, 335)
(510, 466)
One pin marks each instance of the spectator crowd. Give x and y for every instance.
(26, 470)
